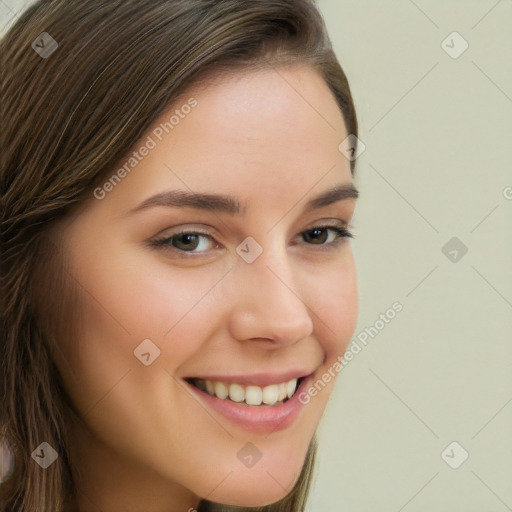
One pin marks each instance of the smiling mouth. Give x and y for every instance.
(255, 396)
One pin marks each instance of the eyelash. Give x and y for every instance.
(164, 242)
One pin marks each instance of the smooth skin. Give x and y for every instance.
(268, 138)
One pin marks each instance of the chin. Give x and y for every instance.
(270, 480)
(254, 494)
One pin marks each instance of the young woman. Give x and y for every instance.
(178, 281)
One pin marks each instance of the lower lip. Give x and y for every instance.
(258, 419)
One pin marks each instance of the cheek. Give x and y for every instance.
(335, 305)
(146, 301)
(336, 311)
(126, 302)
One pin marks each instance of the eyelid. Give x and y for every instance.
(192, 229)
(336, 223)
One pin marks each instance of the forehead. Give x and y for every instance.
(246, 132)
(265, 108)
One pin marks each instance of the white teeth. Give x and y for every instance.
(251, 395)
(210, 387)
(291, 387)
(283, 391)
(270, 394)
(236, 393)
(221, 390)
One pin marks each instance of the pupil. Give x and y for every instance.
(317, 235)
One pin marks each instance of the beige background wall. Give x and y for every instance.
(438, 136)
(437, 125)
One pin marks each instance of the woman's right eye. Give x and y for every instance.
(184, 241)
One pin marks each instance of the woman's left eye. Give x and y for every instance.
(196, 242)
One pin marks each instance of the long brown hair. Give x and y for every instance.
(69, 115)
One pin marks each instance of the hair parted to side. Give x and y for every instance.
(67, 120)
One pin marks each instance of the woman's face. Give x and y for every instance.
(243, 291)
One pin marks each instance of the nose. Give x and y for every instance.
(268, 304)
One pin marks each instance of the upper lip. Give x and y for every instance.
(256, 379)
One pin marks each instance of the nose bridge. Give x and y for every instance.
(270, 303)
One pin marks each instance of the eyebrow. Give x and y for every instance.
(226, 204)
